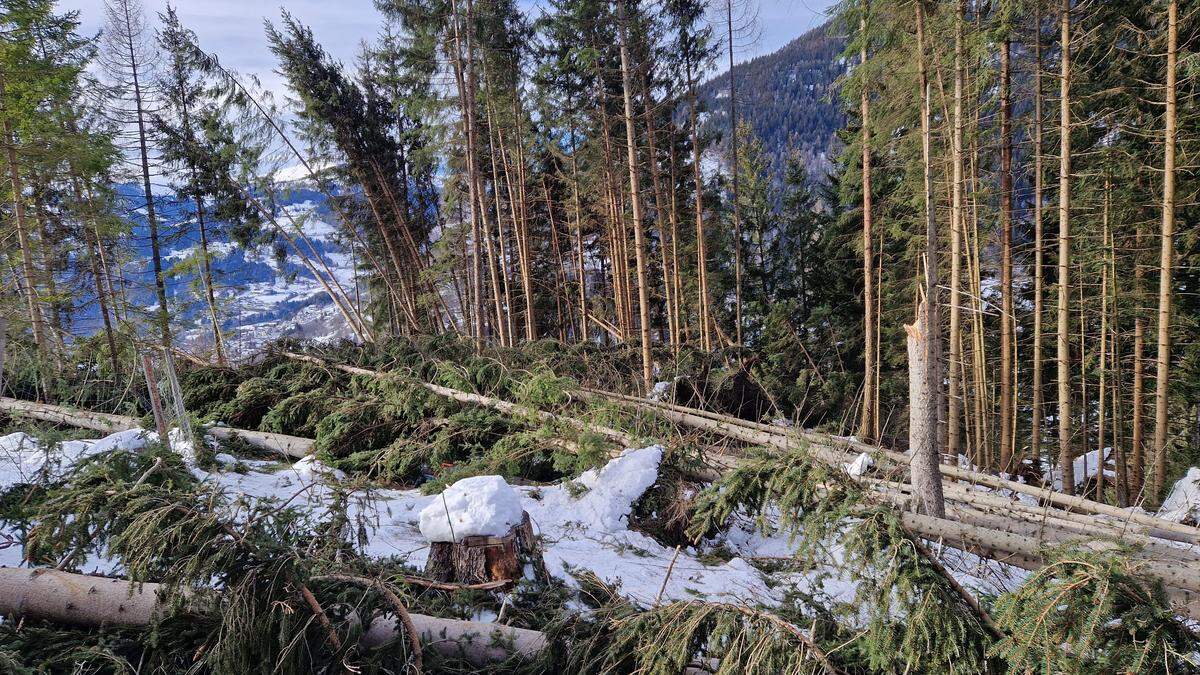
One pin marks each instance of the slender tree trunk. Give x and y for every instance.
(636, 201)
(867, 424)
(160, 287)
(733, 149)
(705, 316)
(954, 414)
(1039, 250)
(1166, 264)
(1065, 455)
(1007, 459)
(1102, 411)
(580, 261)
(1137, 469)
(28, 273)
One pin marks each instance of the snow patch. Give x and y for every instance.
(1183, 504)
(860, 465)
(476, 506)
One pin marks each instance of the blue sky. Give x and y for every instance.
(234, 28)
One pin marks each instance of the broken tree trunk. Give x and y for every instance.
(922, 422)
(292, 446)
(88, 601)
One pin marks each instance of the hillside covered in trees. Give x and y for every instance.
(790, 100)
(557, 350)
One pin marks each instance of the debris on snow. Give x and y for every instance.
(476, 506)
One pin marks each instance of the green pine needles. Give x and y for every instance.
(1089, 612)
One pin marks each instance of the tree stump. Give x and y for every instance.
(484, 559)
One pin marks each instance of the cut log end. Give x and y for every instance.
(483, 559)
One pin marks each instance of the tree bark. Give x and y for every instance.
(1007, 417)
(1039, 249)
(922, 420)
(635, 197)
(954, 396)
(1166, 265)
(867, 423)
(1065, 455)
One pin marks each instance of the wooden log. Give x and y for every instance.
(92, 602)
(829, 448)
(292, 446)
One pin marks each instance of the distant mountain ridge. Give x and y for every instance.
(789, 98)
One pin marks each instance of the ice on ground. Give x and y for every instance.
(1183, 504)
(471, 507)
(860, 465)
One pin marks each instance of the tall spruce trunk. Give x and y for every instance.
(1065, 455)
(705, 316)
(1039, 249)
(1166, 263)
(867, 423)
(737, 209)
(1007, 460)
(635, 198)
(954, 396)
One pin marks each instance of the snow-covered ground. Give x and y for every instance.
(583, 525)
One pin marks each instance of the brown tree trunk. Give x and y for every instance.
(1065, 455)
(1039, 251)
(1166, 265)
(867, 424)
(954, 414)
(636, 201)
(733, 151)
(1007, 460)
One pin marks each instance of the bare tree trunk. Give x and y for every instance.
(954, 414)
(867, 424)
(1101, 419)
(636, 200)
(737, 212)
(581, 261)
(1065, 456)
(1007, 459)
(705, 315)
(1166, 264)
(1137, 422)
(1039, 280)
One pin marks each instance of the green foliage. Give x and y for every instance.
(1091, 612)
(907, 613)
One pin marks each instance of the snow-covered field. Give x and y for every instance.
(582, 524)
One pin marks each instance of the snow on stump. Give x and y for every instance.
(479, 533)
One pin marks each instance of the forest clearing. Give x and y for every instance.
(586, 337)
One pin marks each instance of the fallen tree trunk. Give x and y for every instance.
(292, 446)
(829, 448)
(91, 602)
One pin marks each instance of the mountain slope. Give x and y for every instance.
(789, 97)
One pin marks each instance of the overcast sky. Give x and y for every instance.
(234, 28)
